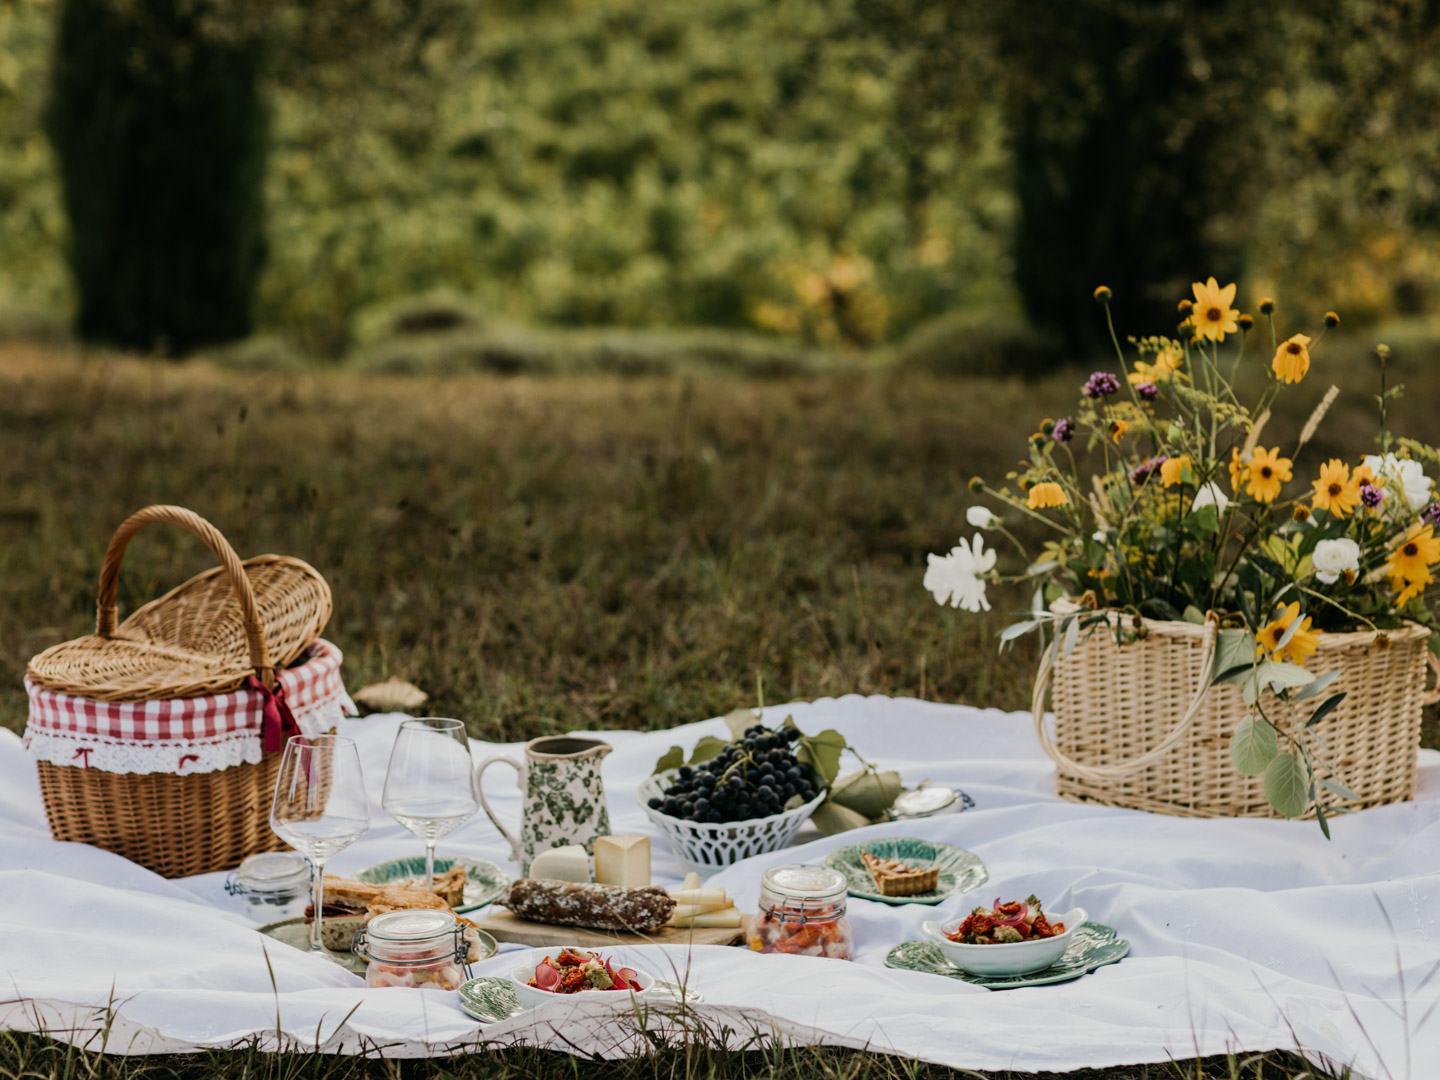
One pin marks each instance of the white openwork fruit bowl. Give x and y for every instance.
(706, 844)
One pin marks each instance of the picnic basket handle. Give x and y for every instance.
(105, 608)
(1100, 773)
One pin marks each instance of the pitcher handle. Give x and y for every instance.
(496, 759)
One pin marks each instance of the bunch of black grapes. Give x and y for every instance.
(750, 778)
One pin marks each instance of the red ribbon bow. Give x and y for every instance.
(279, 723)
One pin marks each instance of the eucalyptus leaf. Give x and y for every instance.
(1072, 634)
(1325, 708)
(1016, 630)
(1287, 785)
(1320, 683)
(706, 748)
(1253, 746)
(1290, 632)
(1340, 789)
(671, 759)
(1233, 649)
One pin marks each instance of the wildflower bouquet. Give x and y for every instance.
(1186, 515)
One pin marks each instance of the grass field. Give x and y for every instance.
(544, 554)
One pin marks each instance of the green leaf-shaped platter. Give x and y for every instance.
(484, 881)
(1094, 946)
(960, 870)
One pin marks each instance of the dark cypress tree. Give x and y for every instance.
(160, 131)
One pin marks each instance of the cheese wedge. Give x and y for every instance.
(622, 861)
(728, 919)
(700, 896)
(692, 881)
(569, 863)
(685, 911)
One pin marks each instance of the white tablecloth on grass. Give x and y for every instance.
(1245, 935)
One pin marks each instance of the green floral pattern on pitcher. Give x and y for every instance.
(564, 796)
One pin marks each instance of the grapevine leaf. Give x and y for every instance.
(671, 759)
(1253, 746)
(708, 747)
(822, 753)
(1287, 785)
(739, 720)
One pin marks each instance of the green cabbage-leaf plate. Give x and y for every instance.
(490, 999)
(960, 870)
(484, 881)
(1093, 946)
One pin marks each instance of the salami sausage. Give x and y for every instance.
(600, 907)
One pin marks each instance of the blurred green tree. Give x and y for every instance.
(160, 134)
(1130, 124)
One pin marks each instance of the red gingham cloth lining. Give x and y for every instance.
(196, 734)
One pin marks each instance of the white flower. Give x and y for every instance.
(980, 517)
(1406, 474)
(1099, 536)
(956, 578)
(1333, 557)
(1210, 495)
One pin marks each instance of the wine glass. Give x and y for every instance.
(430, 785)
(319, 809)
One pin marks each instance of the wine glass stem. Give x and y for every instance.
(430, 866)
(317, 898)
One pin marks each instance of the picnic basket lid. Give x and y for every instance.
(203, 637)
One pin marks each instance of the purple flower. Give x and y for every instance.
(1146, 468)
(1431, 514)
(1373, 496)
(1148, 390)
(1100, 384)
(1064, 429)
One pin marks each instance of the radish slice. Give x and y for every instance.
(1012, 914)
(546, 977)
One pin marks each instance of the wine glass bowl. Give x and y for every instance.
(430, 786)
(319, 809)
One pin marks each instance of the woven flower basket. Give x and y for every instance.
(155, 738)
(1139, 725)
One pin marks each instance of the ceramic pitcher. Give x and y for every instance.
(564, 798)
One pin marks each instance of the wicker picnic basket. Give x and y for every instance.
(206, 665)
(1139, 725)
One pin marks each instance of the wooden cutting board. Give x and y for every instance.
(505, 926)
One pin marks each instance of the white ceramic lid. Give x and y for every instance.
(804, 882)
(270, 869)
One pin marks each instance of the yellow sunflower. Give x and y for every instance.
(1173, 468)
(1417, 551)
(1165, 364)
(1292, 359)
(1336, 490)
(1407, 588)
(1238, 469)
(1213, 316)
(1363, 474)
(1301, 644)
(1047, 493)
(1268, 471)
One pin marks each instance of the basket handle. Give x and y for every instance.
(1100, 773)
(105, 614)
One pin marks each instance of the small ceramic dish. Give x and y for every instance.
(532, 997)
(1015, 958)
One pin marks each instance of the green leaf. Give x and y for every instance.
(1320, 683)
(1253, 746)
(1015, 630)
(822, 753)
(671, 759)
(1234, 676)
(1156, 608)
(1072, 634)
(1340, 789)
(708, 747)
(1320, 813)
(739, 720)
(1287, 785)
(1234, 649)
(1204, 522)
(1194, 615)
(1325, 708)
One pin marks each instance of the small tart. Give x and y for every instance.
(895, 878)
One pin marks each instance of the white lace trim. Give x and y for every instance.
(178, 756)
